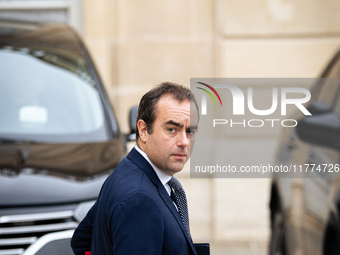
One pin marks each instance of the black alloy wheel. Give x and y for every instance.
(331, 245)
(277, 239)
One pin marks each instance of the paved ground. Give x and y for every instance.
(247, 249)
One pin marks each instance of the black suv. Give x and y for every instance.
(59, 137)
(305, 211)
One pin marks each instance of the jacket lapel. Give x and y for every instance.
(169, 203)
(137, 158)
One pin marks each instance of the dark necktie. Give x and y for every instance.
(180, 199)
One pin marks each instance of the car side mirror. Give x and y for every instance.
(321, 129)
(132, 123)
(319, 107)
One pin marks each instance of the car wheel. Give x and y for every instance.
(331, 245)
(277, 240)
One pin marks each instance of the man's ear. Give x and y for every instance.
(143, 132)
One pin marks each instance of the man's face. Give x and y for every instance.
(168, 147)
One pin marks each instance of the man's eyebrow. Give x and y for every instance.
(195, 127)
(172, 122)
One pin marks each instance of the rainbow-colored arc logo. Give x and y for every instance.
(212, 89)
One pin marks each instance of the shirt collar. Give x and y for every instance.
(163, 177)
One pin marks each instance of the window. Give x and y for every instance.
(47, 11)
(48, 94)
(330, 84)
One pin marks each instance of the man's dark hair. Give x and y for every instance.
(148, 103)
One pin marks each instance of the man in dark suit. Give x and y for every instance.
(139, 210)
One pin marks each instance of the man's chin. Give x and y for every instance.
(177, 167)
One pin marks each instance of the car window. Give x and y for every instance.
(330, 84)
(328, 91)
(48, 94)
(337, 106)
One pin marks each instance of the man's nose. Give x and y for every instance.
(183, 140)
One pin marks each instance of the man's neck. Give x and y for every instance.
(162, 176)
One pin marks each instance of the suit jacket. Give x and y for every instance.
(133, 215)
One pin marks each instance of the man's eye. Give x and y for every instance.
(171, 130)
(191, 131)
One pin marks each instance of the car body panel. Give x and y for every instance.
(310, 202)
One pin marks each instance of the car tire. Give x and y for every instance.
(277, 239)
(331, 245)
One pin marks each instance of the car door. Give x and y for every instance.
(318, 181)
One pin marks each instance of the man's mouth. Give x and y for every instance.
(180, 156)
